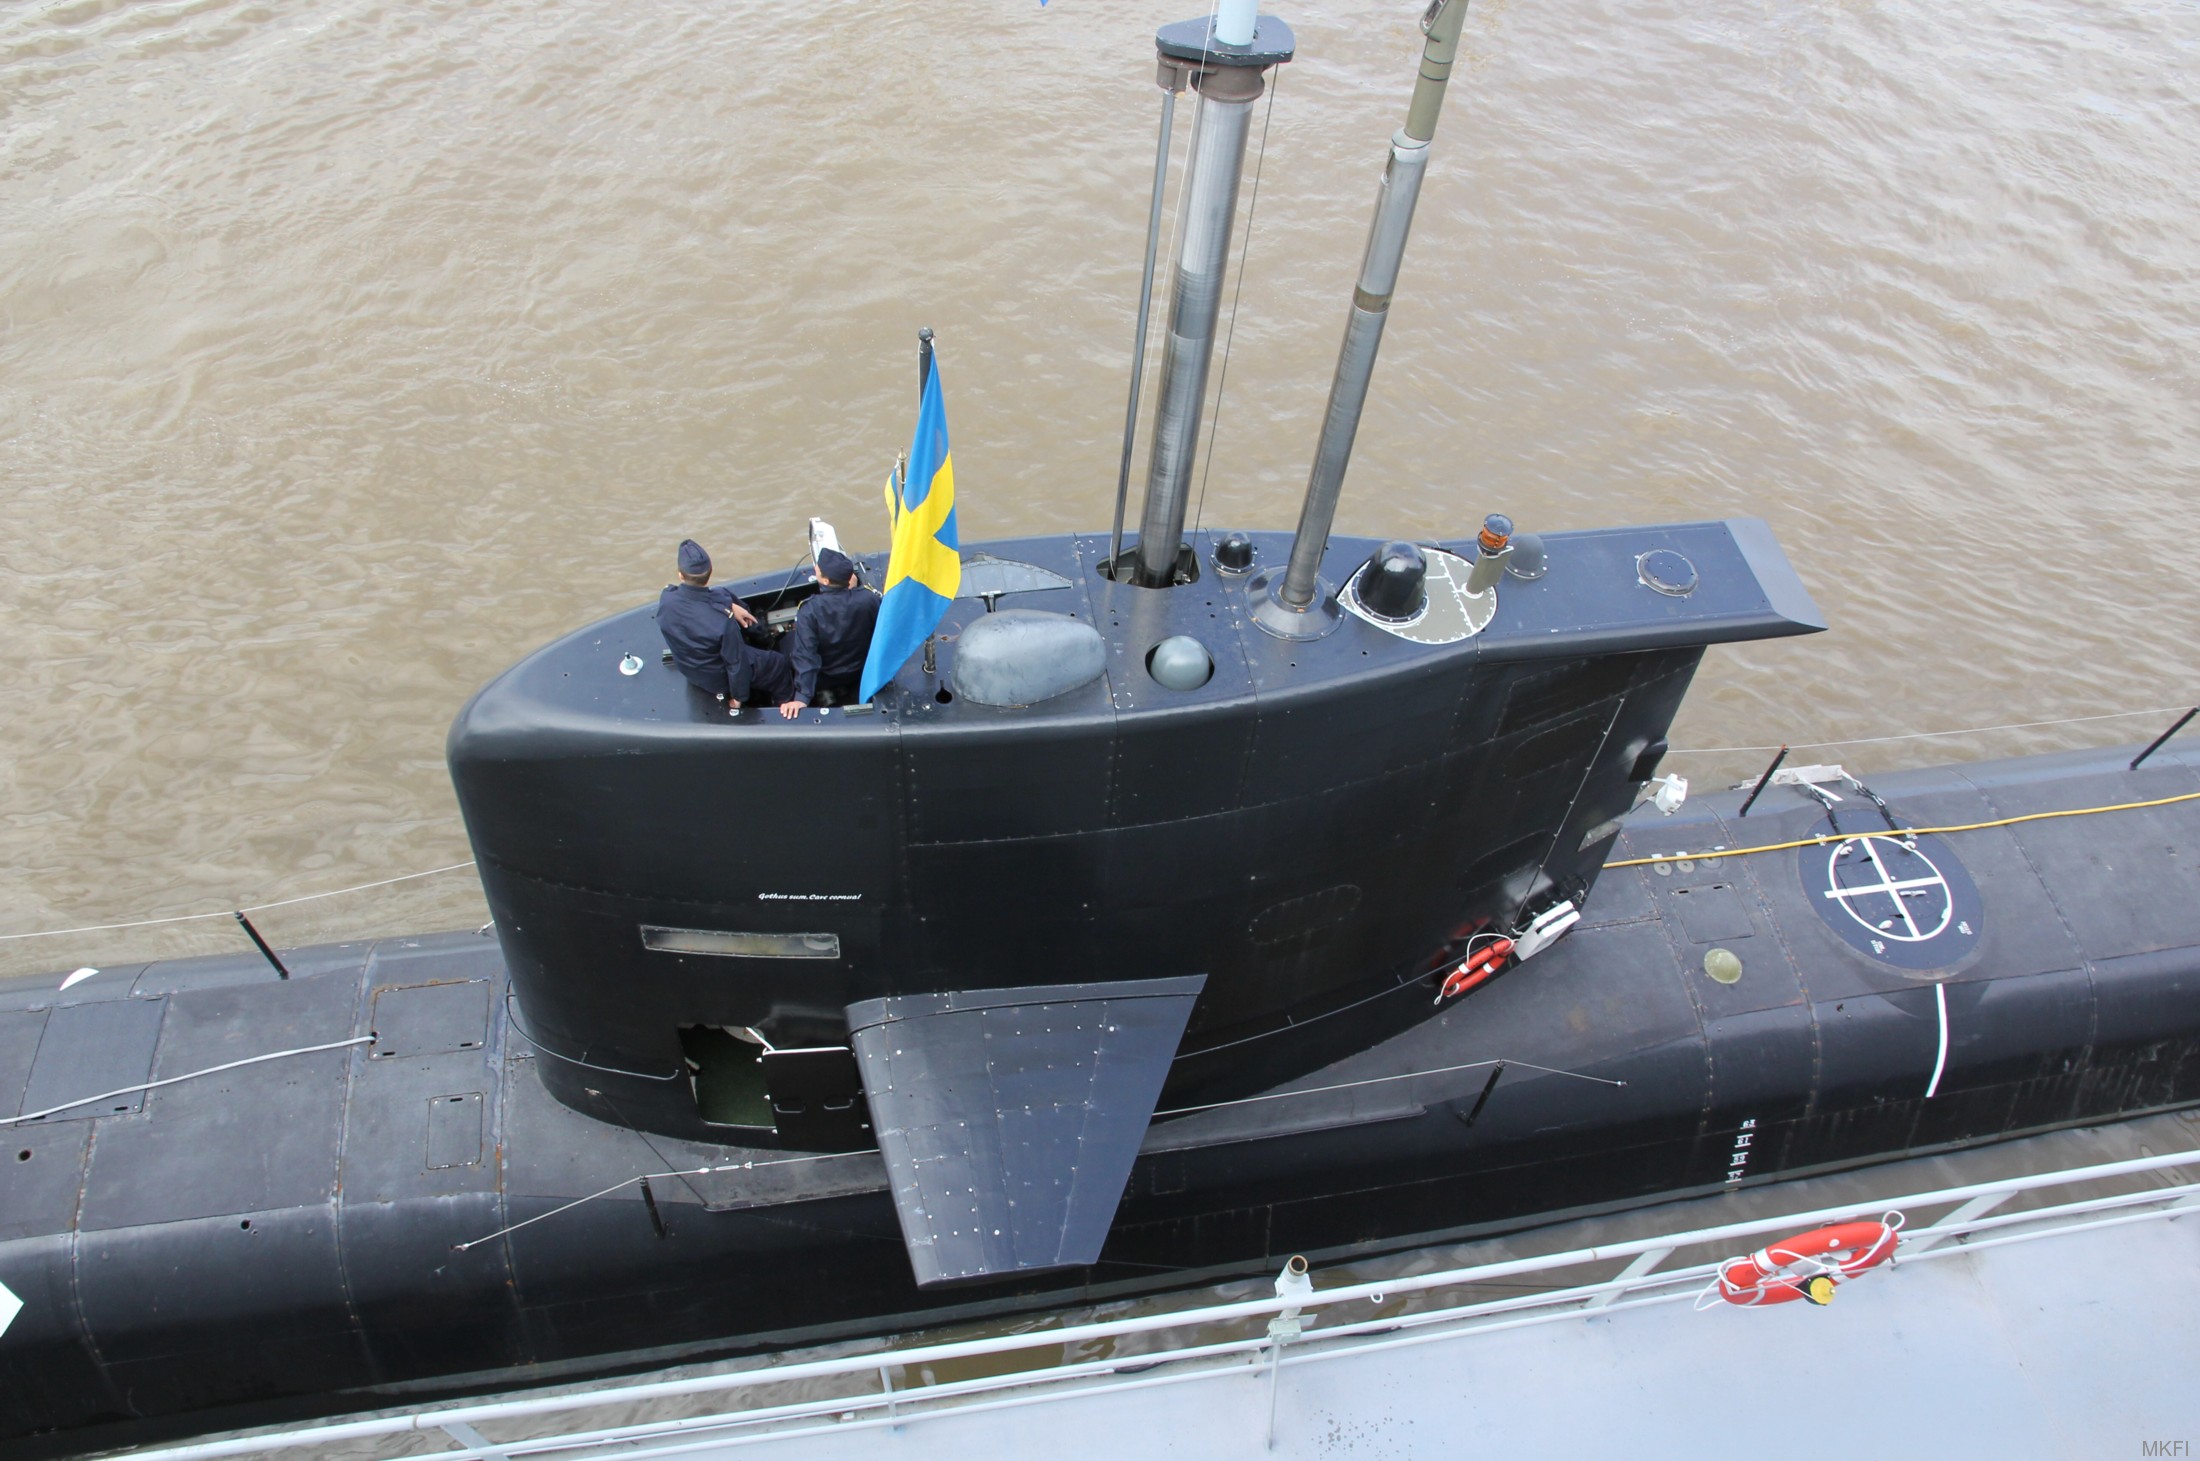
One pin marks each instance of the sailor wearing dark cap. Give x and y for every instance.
(832, 634)
(702, 627)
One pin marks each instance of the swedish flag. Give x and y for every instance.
(925, 569)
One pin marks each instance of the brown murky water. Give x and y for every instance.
(348, 350)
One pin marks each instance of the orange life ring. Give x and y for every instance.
(1480, 965)
(1782, 1271)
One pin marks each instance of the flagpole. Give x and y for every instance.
(924, 378)
(924, 568)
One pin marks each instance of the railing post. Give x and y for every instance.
(886, 1383)
(1292, 1283)
(1275, 1380)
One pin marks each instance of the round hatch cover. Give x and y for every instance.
(1666, 571)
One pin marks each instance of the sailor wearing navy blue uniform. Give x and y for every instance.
(832, 634)
(702, 627)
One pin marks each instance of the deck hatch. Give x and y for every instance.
(91, 1049)
(1713, 913)
(430, 1019)
(454, 1131)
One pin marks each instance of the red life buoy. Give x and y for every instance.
(1782, 1271)
(1480, 965)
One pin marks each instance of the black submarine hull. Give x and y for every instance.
(282, 1239)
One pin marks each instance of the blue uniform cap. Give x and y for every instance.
(835, 566)
(693, 560)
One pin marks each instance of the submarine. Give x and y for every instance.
(1191, 900)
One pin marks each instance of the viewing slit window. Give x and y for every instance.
(727, 945)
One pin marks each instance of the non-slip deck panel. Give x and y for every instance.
(261, 1137)
(102, 1049)
(430, 1009)
(20, 1032)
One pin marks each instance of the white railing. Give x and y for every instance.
(1287, 1340)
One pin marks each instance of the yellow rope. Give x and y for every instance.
(1903, 835)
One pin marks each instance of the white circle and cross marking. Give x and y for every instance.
(1903, 900)
(1926, 893)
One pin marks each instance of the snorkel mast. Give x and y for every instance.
(1301, 606)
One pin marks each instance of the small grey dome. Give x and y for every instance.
(1181, 663)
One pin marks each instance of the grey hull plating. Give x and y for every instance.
(281, 1239)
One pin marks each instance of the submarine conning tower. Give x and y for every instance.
(1312, 826)
(1135, 831)
(1170, 824)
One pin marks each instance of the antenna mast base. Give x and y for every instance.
(1318, 620)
